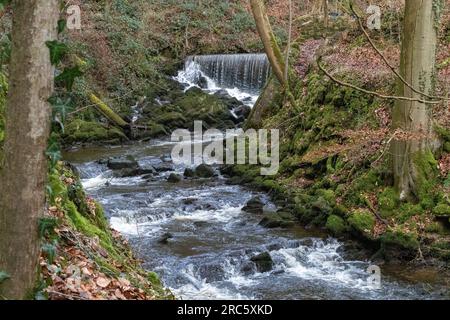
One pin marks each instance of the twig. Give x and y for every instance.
(379, 95)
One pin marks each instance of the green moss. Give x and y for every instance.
(336, 225)
(426, 166)
(436, 227)
(84, 131)
(388, 200)
(442, 209)
(328, 195)
(363, 221)
(408, 210)
(406, 241)
(447, 146)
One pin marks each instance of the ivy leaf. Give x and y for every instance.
(3, 276)
(46, 225)
(4, 3)
(60, 108)
(53, 152)
(50, 250)
(67, 77)
(57, 51)
(447, 181)
(62, 23)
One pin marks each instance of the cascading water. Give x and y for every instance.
(209, 254)
(242, 75)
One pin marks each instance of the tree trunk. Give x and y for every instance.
(413, 160)
(268, 38)
(23, 178)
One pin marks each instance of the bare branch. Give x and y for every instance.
(393, 69)
(379, 95)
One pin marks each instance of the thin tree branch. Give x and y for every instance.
(393, 69)
(379, 95)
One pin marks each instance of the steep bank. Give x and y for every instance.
(82, 258)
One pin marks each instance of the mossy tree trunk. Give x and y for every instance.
(413, 161)
(23, 178)
(271, 47)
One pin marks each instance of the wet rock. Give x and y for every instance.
(147, 169)
(200, 224)
(204, 171)
(273, 220)
(165, 238)
(248, 268)
(189, 201)
(174, 178)
(274, 247)
(127, 172)
(254, 205)
(243, 111)
(166, 158)
(263, 262)
(127, 162)
(202, 82)
(164, 167)
(189, 173)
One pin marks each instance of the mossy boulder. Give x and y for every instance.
(399, 245)
(362, 221)
(275, 220)
(442, 209)
(263, 262)
(204, 171)
(86, 131)
(336, 225)
(447, 146)
(254, 205)
(388, 201)
(118, 163)
(174, 178)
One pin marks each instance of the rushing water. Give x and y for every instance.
(212, 240)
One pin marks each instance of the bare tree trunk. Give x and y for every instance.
(412, 156)
(270, 44)
(23, 178)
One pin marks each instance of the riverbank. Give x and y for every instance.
(82, 258)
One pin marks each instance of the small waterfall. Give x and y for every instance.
(247, 72)
(242, 75)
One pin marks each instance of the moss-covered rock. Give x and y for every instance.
(399, 245)
(442, 209)
(85, 131)
(362, 221)
(275, 220)
(388, 201)
(336, 225)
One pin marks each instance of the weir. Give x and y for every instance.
(248, 72)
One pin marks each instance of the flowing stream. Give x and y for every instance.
(211, 240)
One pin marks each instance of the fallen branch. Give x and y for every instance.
(107, 111)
